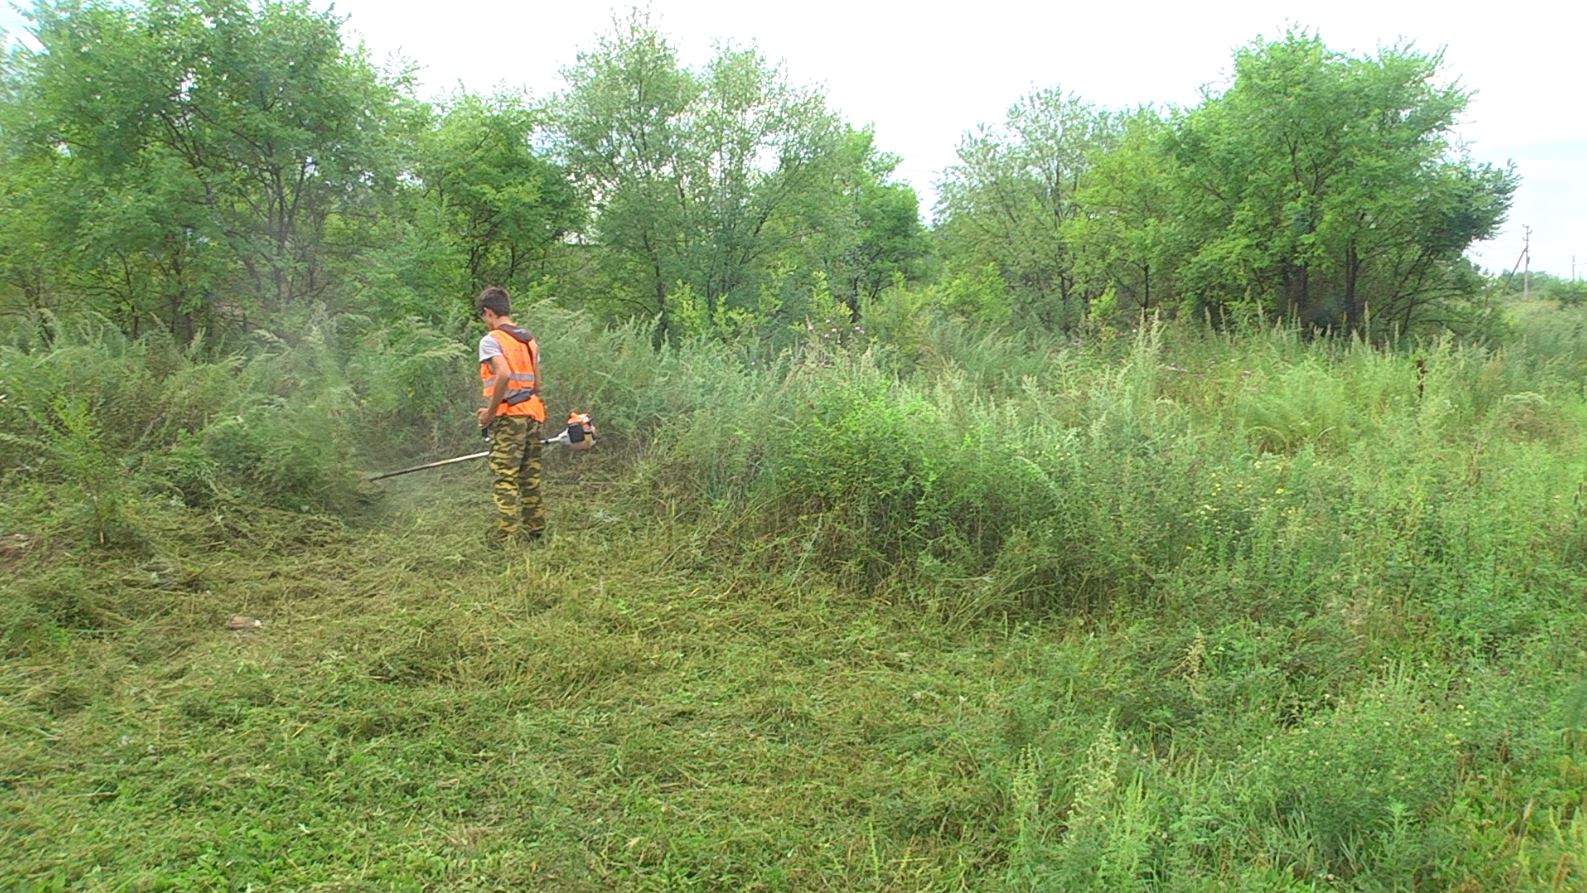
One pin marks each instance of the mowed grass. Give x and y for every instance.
(618, 711)
(420, 712)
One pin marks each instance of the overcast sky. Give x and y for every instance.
(922, 74)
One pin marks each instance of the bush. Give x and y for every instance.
(1346, 785)
(112, 425)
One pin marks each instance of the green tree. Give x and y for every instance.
(214, 155)
(1125, 235)
(499, 206)
(1570, 294)
(875, 233)
(1014, 190)
(621, 127)
(1320, 182)
(759, 155)
(729, 181)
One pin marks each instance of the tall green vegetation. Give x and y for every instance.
(182, 162)
(478, 205)
(216, 166)
(1013, 194)
(975, 571)
(1333, 183)
(1317, 187)
(728, 187)
(1164, 611)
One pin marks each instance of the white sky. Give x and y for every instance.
(922, 74)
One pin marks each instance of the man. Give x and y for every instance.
(509, 367)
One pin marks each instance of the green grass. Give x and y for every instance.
(417, 712)
(620, 711)
(1181, 613)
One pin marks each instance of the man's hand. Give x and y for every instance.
(484, 416)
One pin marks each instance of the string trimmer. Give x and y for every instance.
(578, 435)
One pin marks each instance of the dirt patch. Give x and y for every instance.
(14, 549)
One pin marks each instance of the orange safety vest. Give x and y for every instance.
(522, 353)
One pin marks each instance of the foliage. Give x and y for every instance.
(200, 153)
(1319, 184)
(1317, 187)
(890, 572)
(499, 207)
(709, 183)
(1013, 615)
(1568, 293)
(210, 192)
(110, 428)
(1013, 192)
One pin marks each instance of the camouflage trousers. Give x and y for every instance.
(515, 478)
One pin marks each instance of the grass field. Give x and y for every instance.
(1211, 615)
(608, 711)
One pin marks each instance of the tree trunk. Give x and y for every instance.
(1352, 275)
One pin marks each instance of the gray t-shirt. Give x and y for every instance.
(488, 348)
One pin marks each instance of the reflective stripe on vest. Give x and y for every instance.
(523, 380)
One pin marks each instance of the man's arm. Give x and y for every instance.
(498, 389)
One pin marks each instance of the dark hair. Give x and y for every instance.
(495, 300)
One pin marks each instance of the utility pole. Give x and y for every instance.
(1526, 256)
